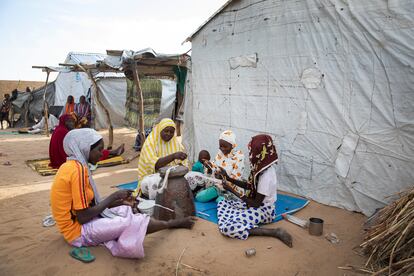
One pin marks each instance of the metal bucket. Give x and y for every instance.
(315, 226)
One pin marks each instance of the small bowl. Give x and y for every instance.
(147, 207)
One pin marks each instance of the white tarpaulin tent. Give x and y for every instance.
(331, 81)
(112, 86)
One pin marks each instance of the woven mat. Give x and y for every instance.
(42, 165)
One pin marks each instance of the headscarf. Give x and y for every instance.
(229, 137)
(262, 154)
(154, 148)
(233, 162)
(77, 145)
(57, 154)
(69, 108)
(83, 110)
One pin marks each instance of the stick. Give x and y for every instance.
(396, 244)
(394, 264)
(179, 260)
(194, 268)
(133, 157)
(166, 208)
(356, 269)
(204, 214)
(98, 100)
(159, 205)
(45, 106)
(141, 103)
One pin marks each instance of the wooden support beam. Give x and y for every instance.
(98, 66)
(45, 106)
(98, 99)
(141, 103)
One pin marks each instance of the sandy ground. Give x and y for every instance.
(28, 248)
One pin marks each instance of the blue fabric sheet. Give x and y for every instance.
(285, 204)
(128, 186)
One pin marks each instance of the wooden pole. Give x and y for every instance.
(12, 116)
(45, 106)
(26, 114)
(98, 99)
(141, 103)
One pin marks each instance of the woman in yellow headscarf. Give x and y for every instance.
(161, 148)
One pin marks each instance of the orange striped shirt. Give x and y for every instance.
(70, 191)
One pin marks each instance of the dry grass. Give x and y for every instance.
(389, 243)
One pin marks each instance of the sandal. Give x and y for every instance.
(48, 221)
(82, 254)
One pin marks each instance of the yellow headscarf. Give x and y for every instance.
(155, 148)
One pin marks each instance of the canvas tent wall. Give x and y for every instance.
(32, 104)
(331, 81)
(113, 88)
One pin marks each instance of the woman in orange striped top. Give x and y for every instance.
(69, 106)
(84, 218)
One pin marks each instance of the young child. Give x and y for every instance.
(199, 165)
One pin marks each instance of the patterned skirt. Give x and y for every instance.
(235, 218)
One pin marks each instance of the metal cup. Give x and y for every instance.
(315, 226)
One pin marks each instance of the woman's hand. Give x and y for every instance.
(208, 165)
(121, 195)
(226, 185)
(222, 174)
(180, 155)
(129, 201)
(113, 200)
(164, 161)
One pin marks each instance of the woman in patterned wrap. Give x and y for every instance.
(228, 158)
(241, 219)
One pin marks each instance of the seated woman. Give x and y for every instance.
(69, 106)
(57, 154)
(160, 149)
(83, 218)
(83, 112)
(228, 158)
(241, 219)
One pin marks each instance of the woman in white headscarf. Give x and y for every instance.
(84, 218)
(228, 158)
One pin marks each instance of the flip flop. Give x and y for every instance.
(48, 221)
(82, 254)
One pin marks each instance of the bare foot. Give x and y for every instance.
(187, 222)
(283, 235)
